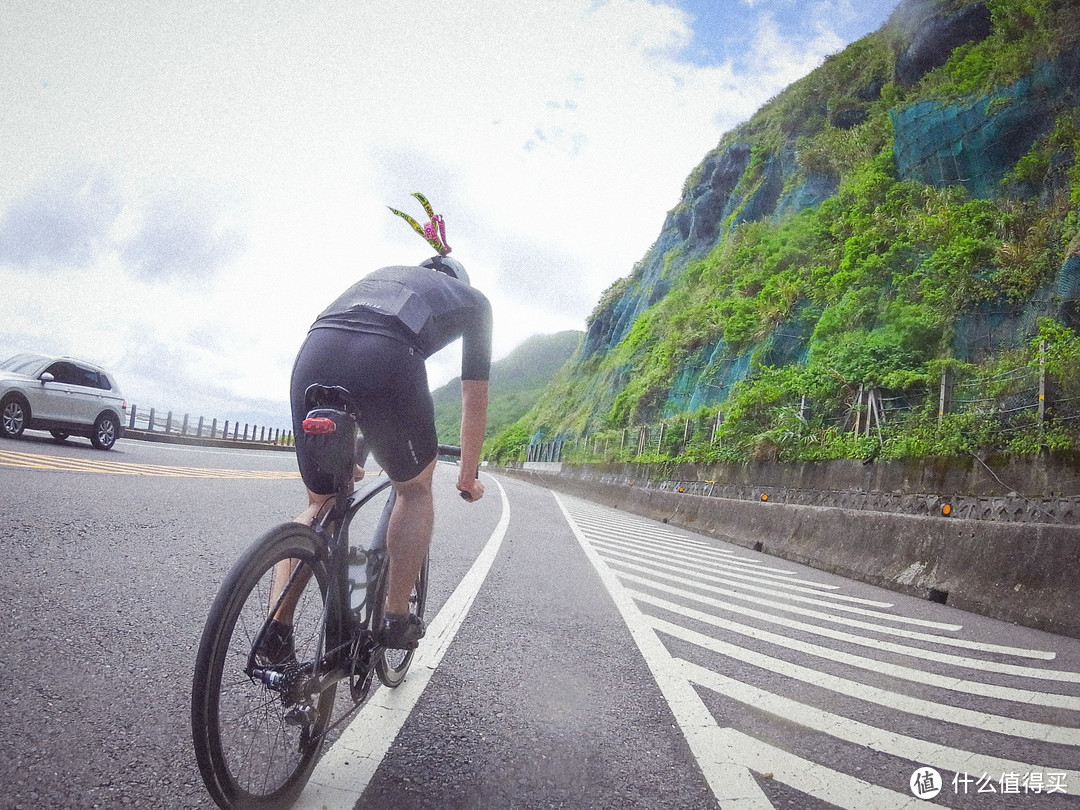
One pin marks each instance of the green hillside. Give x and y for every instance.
(516, 383)
(892, 236)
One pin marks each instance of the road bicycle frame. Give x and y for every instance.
(348, 648)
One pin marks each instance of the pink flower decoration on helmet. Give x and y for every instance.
(434, 231)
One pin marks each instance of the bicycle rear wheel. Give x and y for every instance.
(391, 665)
(257, 737)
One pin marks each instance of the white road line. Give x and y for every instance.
(987, 690)
(980, 664)
(713, 556)
(711, 569)
(833, 787)
(586, 517)
(695, 581)
(912, 635)
(943, 757)
(731, 782)
(344, 771)
(692, 550)
(983, 721)
(632, 533)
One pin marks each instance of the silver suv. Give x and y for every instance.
(64, 396)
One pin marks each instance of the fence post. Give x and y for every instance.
(213, 429)
(225, 432)
(856, 411)
(150, 422)
(945, 395)
(877, 410)
(199, 433)
(183, 427)
(1042, 388)
(131, 424)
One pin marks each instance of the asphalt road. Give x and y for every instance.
(589, 659)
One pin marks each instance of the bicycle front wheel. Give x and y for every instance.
(391, 665)
(256, 732)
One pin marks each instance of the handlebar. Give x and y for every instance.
(455, 452)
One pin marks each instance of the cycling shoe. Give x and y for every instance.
(401, 632)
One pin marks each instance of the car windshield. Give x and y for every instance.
(22, 363)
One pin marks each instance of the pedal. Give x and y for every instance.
(303, 714)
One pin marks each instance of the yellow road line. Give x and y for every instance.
(44, 462)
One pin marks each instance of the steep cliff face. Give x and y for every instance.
(919, 179)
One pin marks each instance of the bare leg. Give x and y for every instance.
(408, 537)
(284, 569)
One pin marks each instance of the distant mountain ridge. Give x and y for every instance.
(516, 382)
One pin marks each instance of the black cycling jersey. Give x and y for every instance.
(426, 309)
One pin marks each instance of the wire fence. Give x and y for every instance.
(1021, 399)
(167, 424)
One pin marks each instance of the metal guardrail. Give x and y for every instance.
(226, 430)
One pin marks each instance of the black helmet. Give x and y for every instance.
(444, 264)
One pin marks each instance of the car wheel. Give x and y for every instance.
(14, 413)
(106, 431)
(59, 435)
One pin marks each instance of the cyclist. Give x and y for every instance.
(373, 341)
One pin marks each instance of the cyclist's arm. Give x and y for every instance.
(474, 402)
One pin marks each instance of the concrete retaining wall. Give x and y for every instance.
(1023, 573)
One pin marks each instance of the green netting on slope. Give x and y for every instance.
(996, 326)
(1068, 286)
(705, 379)
(975, 144)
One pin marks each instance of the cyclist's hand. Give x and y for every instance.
(471, 490)
(358, 473)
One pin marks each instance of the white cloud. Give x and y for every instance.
(183, 237)
(61, 222)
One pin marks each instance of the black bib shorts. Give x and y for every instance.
(388, 381)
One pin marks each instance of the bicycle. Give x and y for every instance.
(260, 716)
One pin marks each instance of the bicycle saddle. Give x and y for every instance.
(335, 397)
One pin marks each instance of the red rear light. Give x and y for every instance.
(319, 426)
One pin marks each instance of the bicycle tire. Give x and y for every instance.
(392, 665)
(248, 755)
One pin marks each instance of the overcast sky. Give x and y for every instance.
(184, 186)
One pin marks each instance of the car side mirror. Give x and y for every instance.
(47, 377)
